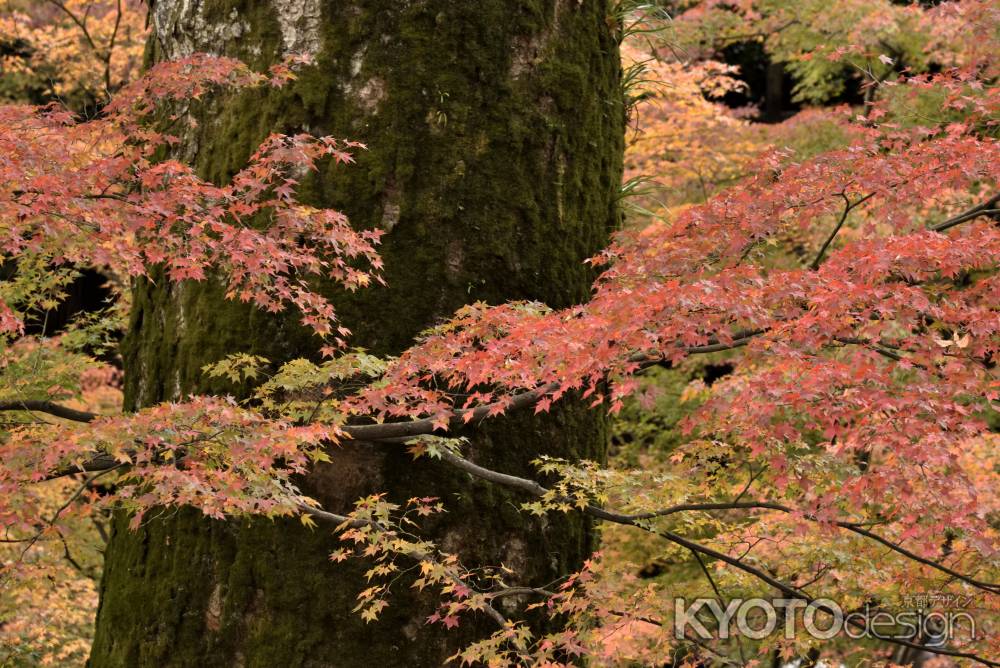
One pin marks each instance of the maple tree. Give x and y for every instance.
(849, 455)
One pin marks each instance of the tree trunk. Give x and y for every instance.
(495, 130)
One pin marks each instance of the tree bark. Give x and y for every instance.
(495, 130)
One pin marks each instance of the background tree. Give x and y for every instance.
(78, 52)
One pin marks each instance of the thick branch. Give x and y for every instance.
(49, 408)
(94, 465)
(535, 489)
(848, 207)
(987, 208)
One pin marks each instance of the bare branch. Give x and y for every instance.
(848, 207)
(535, 489)
(51, 408)
(55, 517)
(109, 54)
(987, 208)
(80, 23)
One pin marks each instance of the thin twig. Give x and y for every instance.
(848, 207)
(76, 494)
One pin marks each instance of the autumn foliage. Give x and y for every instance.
(852, 286)
(74, 51)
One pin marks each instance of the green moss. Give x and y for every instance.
(504, 185)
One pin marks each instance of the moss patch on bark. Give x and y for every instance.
(496, 136)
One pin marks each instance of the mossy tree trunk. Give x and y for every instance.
(495, 130)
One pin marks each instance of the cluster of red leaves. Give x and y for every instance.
(868, 377)
(886, 345)
(92, 194)
(207, 453)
